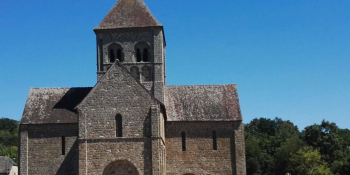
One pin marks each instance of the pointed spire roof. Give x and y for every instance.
(128, 14)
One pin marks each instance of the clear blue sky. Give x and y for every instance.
(290, 59)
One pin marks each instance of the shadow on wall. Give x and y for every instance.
(69, 165)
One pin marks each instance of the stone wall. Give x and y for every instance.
(117, 93)
(127, 39)
(200, 157)
(102, 152)
(41, 149)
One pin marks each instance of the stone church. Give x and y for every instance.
(131, 122)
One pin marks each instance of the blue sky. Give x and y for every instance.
(289, 59)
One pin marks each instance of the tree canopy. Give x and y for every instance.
(276, 147)
(9, 138)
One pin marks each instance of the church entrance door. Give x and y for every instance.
(120, 167)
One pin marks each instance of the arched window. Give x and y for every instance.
(146, 73)
(215, 146)
(183, 135)
(115, 51)
(119, 125)
(142, 52)
(135, 72)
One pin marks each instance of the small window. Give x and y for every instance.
(119, 55)
(63, 139)
(119, 125)
(115, 51)
(111, 56)
(142, 52)
(183, 135)
(145, 55)
(138, 55)
(215, 146)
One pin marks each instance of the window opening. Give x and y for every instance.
(119, 126)
(183, 141)
(63, 138)
(142, 50)
(215, 146)
(138, 55)
(119, 55)
(145, 55)
(111, 56)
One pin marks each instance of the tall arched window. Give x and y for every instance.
(115, 51)
(183, 135)
(142, 52)
(119, 125)
(215, 146)
(146, 73)
(135, 72)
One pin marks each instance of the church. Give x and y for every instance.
(130, 122)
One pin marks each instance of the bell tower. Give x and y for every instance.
(130, 34)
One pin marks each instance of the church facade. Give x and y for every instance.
(131, 122)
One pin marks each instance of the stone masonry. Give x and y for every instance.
(131, 122)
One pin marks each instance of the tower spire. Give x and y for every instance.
(128, 14)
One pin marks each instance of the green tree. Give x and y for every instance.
(307, 161)
(285, 152)
(254, 156)
(264, 137)
(324, 137)
(9, 138)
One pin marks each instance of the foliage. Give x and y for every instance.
(264, 137)
(9, 138)
(307, 161)
(276, 147)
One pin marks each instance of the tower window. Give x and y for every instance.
(63, 140)
(111, 56)
(138, 55)
(215, 146)
(145, 55)
(119, 125)
(119, 55)
(115, 51)
(183, 135)
(142, 52)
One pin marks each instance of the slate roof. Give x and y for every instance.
(128, 14)
(52, 105)
(202, 103)
(6, 164)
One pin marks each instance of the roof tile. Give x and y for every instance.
(52, 105)
(202, 103)
(128, 14)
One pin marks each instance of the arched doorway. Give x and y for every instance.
(120, 167)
